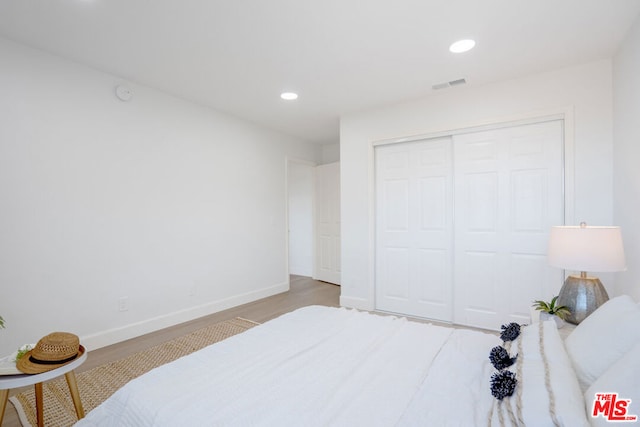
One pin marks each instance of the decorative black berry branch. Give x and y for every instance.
(510, 332)
(503, 384)
(500, 358)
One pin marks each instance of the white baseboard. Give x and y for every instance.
(113, 336)
(358, 303)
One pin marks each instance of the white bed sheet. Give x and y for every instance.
(317, 366)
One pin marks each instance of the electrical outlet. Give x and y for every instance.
(123, 304)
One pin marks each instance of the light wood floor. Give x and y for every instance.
(304, 291)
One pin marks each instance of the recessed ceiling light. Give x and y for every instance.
(462, 46)
(289, 96)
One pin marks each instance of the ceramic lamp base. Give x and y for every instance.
(582, 296)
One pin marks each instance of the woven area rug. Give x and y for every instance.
(97, 384)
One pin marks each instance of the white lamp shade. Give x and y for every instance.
(587, 248)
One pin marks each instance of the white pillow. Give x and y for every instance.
(622, 378)
(603, 338)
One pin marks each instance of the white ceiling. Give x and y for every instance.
(341, 56)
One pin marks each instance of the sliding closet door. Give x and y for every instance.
(508, 194)
(414, 228)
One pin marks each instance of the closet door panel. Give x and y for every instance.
(482, 286)
(395, 273)
(396, 206)
(434, 277)
(480, 203)
(509, 216)
(414, 222)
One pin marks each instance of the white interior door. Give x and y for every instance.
(300, 183)
(327, 253)
(508, 194)
(414, 221)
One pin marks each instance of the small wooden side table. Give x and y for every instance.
(7, 382)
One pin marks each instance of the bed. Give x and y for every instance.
(321, 366)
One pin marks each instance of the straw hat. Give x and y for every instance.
(51, 352)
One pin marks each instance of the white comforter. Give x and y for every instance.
(325, 366)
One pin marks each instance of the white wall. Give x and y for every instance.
(585, 91)
(177, 207)
(626, 137)
(330, 153)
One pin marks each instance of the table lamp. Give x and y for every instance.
(585, 248)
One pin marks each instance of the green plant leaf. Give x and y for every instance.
(562, 312)
(541, 305)
(550, 307)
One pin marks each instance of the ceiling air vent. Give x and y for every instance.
(451, 83)
(457, 82)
